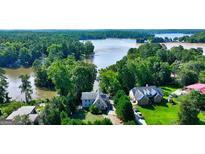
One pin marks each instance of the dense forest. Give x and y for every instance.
(196, 38)
(23, 48)
(154, 64)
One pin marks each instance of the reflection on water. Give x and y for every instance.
(108, 51)
(14, 83)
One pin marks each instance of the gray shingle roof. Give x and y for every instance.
(100, 99)
(88, 95)
(24, 110)
(149, 91)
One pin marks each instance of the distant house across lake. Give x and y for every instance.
(146, 95)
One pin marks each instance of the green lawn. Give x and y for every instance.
(202, 118)
(164, 113)
(86, 116)
(91, 117)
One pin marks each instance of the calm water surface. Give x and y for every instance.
(107, 52)
(14, 83)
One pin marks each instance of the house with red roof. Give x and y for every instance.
(197, 86)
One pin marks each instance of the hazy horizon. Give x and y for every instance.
(107, 14)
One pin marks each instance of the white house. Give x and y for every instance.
(98, 98)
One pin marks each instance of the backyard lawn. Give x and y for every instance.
(86, 116)
(164, 113)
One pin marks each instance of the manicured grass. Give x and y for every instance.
(91, 117)
(167, 90)
(202, 118)
(161, 114)
(86, 116)
(164, 113)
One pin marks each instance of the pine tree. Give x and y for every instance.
(4, 98)
(26, 87)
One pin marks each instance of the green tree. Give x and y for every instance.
(124, 109)
(89, 48)
(60, 75)
(164, 74)
(4, 98)
(58, 109)
(163, 54)
(187, 77)
(117, 96)
(198, 98)
(26, 87)
(109, 81)
(25, 57)
(188, 114)
(202, 77)
(55, 51)
(126, 78)
(83, 75)
(143, 74)
(51, 115)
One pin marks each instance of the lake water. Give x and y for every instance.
(107, 52)
(14, 83)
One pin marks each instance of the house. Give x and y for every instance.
(98, 98)
(29, 111)
(146, 95)
(197, 86)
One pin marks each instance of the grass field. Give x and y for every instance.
(164, 113)
(86, 116)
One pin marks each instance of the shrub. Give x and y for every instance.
(132, 122)
(105, 121)
(11, 107)
(94, 110)
(68, 121)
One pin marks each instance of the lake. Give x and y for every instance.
(107, 52)
(14, 83)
